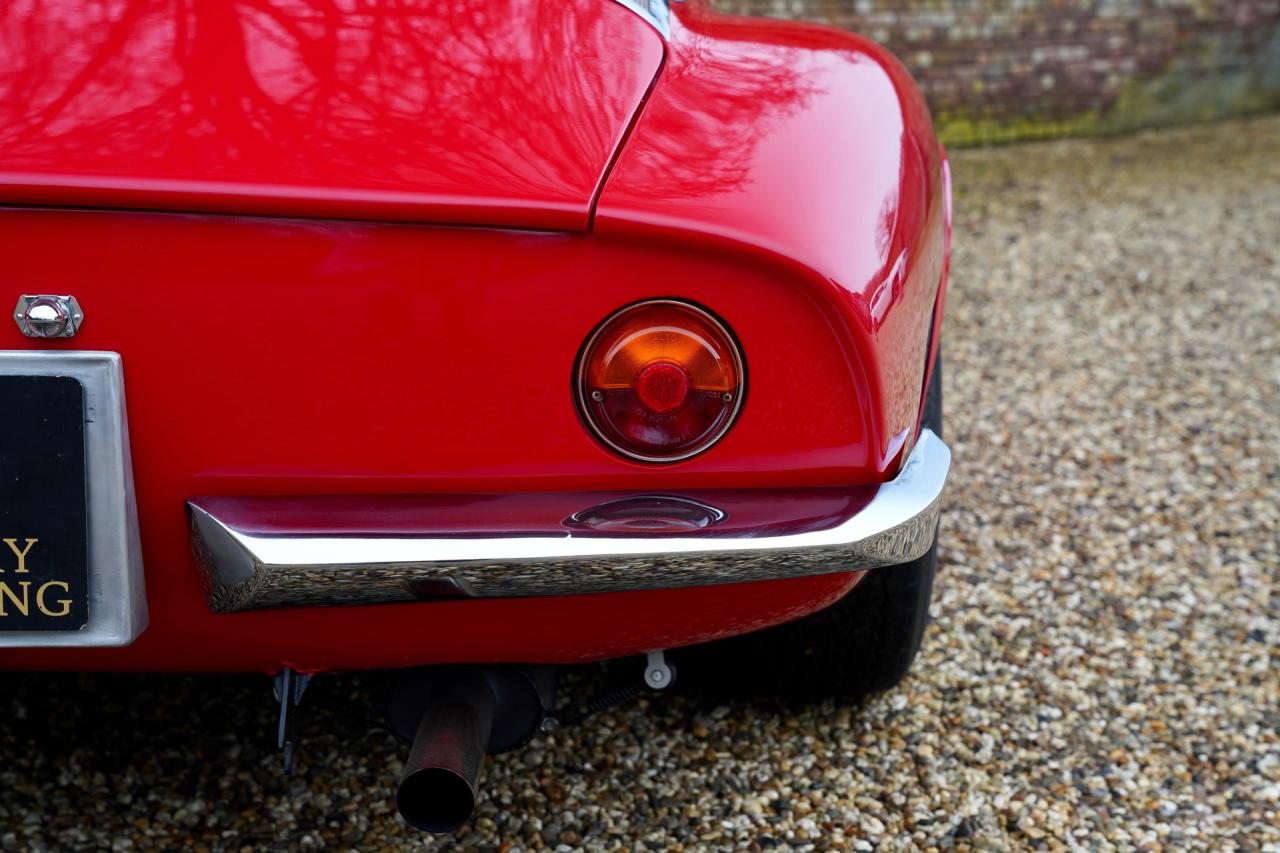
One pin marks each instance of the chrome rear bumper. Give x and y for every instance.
(320, 551)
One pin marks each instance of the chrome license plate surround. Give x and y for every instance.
(117, 605)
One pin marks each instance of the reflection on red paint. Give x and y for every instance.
(811, 145)
(777, 174)
(484, 111)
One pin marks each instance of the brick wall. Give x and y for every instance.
(1005, 69)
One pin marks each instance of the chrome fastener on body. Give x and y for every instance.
(48, 316)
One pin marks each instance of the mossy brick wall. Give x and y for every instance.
(1013, 69)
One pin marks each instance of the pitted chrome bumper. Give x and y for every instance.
(321, 551)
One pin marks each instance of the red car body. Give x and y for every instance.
(348, 251)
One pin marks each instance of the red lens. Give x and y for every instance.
(662, 387)
(660, 381)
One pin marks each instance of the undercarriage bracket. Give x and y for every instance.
(289, 687)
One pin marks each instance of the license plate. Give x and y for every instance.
(44, 574)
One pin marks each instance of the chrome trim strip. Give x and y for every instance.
(248, 571)
(656, 12)
(117, 596)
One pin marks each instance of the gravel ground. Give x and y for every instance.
(1102, 668)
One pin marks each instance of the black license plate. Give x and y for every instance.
(43, 512)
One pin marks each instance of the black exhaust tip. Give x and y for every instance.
(436, 800)
(438, 787)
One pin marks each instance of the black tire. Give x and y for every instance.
(862, 644)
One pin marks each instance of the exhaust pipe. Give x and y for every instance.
(438, 788)
(456, 716)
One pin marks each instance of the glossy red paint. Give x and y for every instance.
(493, 112)
(785, 177)
(812, 148)
(575, 629)
(284, 357)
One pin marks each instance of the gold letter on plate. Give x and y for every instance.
(23, 604)
(21, 555)
(65, 602)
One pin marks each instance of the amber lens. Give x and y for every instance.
(660, 381)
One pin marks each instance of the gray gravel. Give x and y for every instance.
(1102, 668)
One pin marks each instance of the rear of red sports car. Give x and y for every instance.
(465, 338)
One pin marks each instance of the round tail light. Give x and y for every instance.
(660, 381)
